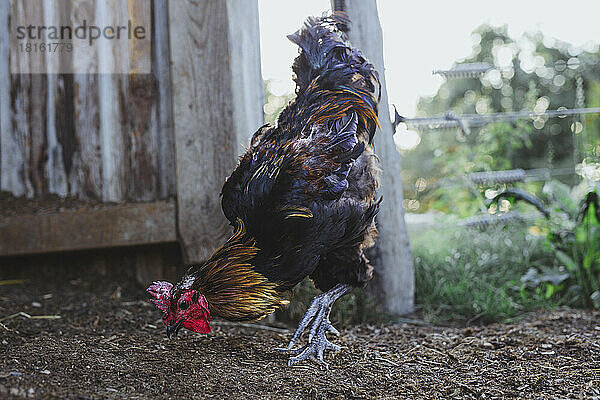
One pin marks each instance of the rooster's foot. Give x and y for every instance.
(318, 313)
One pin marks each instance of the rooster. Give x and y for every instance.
(302, 201)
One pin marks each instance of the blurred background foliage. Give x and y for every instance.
(275, 100)
(473, 275)
(498, 272)
(533, 73)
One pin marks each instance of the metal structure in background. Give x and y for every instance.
(579, 103)
(517, 175)
(477, 69)
(450, 120)
(467, 70)
(506, 177)
(485, 220)
(503, 177)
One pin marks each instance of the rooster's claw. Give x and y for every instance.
(318, 313)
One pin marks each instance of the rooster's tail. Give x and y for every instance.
(328, 71)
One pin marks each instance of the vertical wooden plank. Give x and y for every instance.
(37, 117)
(141, 137)
(246, 77)
(85, 165)
(139, 43)
(164, 106)
(205, 134)
(113, 100)
(393, 259)
(37, 112)
(141, 125)
(65, 114)
(55, 168)
(10, 156)
(28, 104)
(19, 104)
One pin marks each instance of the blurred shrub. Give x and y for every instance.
(470, 274)
(275, 100)
(573, 236)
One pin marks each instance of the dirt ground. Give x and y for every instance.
(109, 342)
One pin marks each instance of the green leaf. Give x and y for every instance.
(561, 193)
(588, 259)
(581, 235)
(550, 290)
(595, 297)
(566, 260)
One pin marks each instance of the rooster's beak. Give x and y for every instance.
(173, 329)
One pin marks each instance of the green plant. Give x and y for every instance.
(576, 245)
(491, 148)
(573, 236)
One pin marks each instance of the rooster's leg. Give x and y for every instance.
(318, 313)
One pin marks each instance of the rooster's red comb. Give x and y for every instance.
(161, 291)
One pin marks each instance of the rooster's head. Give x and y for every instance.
(225, 285)
(181, 306)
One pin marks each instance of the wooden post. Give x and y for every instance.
(217, 97)
(27, 109)
(246, 77)
(392, 258)
(113, 99)
(10, 156)
(164, 105)
(85, 155)
(56, 14)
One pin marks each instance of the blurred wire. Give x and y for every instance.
(517, 175)
(482, 221)
(508, 176)
(500, 177)
(468, 70)
(463, 122)
(475, 70)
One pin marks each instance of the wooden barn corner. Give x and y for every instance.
(109, 172)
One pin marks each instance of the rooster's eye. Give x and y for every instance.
(183, 305)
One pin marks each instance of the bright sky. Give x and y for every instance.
(420, 36)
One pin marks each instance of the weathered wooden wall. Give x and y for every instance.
(106, 137)
(174, 134)
(98, 137)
